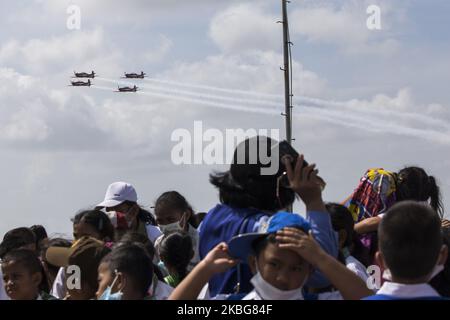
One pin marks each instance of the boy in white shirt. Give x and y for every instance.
(411, 247)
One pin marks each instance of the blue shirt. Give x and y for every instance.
(219, 225)
(224, 222)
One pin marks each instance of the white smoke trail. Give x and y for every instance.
(221, 89)
(201, 95)
(389, 113)
(206, 103)
(347, 119)
(320, 103)
(315, 101)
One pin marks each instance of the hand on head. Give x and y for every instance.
(301, 243)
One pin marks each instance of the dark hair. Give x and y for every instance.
(342, 219)
(39, 232)
(261, 243)
(243, 186)
(410, 239)
(176, 251)
(173, 200)
(133, 260)
(99, 220)
(138, 238)
(144, 216)
(16, 238)
(441, 282)
(413, 183)
(30, 261)
(198, 218)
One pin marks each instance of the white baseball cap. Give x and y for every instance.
(117, 193)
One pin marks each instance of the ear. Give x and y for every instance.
(379, 258)
(252, 263)
(443, 255)
(342, 237)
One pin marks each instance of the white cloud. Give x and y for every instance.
(344, 26)
(45, 56)
(161, 50)
(254, 71)
(245, 27)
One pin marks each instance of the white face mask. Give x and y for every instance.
(436, 270)
(268, 292)
(167, 228)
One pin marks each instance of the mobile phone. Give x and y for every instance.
(286, 149)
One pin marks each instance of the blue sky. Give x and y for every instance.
(381, 97)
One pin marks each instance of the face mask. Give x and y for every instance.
(436, 270)
(107, 295)
(268, 292)
(167, 228)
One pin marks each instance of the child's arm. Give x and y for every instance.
(216, 261)
(367, 225)
(306, 183)
(349, 284)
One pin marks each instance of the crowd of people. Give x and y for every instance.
(387, 241)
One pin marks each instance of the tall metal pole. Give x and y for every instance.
(286, 69)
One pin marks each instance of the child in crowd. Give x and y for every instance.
(174, 213)
(86, 253)
(411, 248)
(139, 238)
(281, 257)
(159, 290)
(343, 224)
(19, 238)
(41, 236)
(250, 193)
(379, 190)
(126, 214)
(93, 223)
(24, 277)
(51, 271)
(176, 252)
(87, 223)
(129, 274)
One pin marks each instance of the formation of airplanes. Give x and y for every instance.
(89, 76)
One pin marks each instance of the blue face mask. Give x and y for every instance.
(107, 295)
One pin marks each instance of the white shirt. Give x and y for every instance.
(332, 295)
(405, 291)
(356, 267)
(162, 292)
(59, 285)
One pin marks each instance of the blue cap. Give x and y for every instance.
(240, 246)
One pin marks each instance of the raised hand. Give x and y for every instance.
(303, 244)
(305, 182)
(218, 259)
